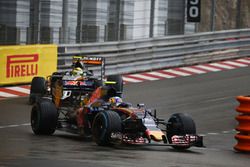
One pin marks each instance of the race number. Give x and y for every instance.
(193, 10)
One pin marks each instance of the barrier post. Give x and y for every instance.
(243, 128)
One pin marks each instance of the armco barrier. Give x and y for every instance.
(163, 52)
(19, 64)
(124, 56)
(243, 137)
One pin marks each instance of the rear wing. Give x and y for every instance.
(88, 61)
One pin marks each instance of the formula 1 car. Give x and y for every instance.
(70, 87)
(121, 123)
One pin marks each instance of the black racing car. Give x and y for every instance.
(70, 87)
(111, 124)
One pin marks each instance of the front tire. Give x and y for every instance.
(180, 124)
(105, 123)
(44, 117)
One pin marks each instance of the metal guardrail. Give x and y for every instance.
(164, 52)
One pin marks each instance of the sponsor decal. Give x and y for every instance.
(74, 83)
(89, 60)
(22, 65)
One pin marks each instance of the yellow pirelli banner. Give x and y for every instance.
(19, 64)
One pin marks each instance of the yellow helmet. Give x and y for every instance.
(115, 101)
(77, 71)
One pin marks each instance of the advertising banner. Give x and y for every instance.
(19, 64)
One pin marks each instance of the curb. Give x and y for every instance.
(22, 91)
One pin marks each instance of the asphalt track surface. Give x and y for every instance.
(208, 98)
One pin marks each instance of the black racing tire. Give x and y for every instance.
(119, 83)
(104, 124)
(44, 117)
(180, 124)
(37, 89)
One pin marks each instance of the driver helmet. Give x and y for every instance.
(77, 71)
(115, 101)
(79, 64)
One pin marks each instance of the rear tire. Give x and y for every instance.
(44, 117)
(105, 123)
(37, 89)
(180, 124)
(119, 83)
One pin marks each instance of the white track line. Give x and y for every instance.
(161, 74)
(193, 70)
(25, 124)
(145, 77)
(222, 66)
(212, 133)
(177, 72)
(19, 89)
(9, 126)
(226, 131)
(14, 126)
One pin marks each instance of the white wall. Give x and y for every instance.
(141, 19)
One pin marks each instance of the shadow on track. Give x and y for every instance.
(87, 141)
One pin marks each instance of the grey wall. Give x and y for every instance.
(14, 21)
(78, 21)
